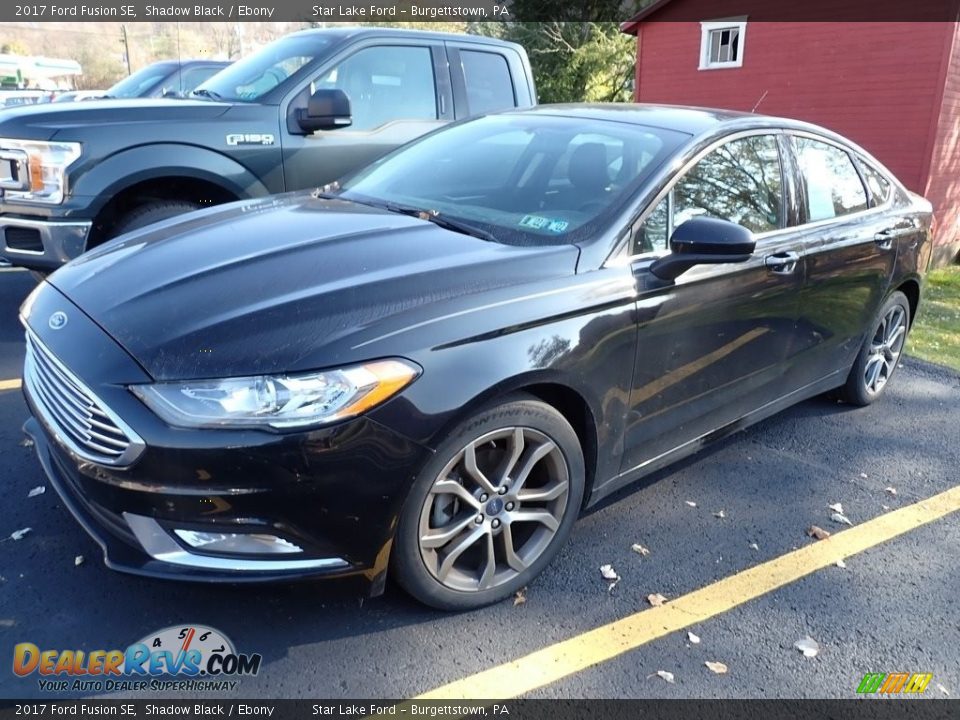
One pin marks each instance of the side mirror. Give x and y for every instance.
(169, 92)
(704, 241)
(327, 109)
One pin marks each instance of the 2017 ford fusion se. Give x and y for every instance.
(435, 366)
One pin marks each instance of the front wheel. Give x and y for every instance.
(492, 508)
(880, 353)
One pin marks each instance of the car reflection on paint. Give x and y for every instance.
(434, 366)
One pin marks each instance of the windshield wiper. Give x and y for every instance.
(443, 221)
(203, 92)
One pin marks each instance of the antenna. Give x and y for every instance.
(760, 101)
(179, 61)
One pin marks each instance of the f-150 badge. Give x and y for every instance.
(250, 139)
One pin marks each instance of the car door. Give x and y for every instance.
(398, 91)
(712, 346)
(851, 251)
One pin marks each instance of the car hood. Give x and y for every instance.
(286, 283)
(44, 121)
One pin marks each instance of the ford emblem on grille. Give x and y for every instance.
(57, 320)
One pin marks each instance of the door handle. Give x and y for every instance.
(782, 263)
(884, 239)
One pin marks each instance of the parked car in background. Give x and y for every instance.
(19, 98)
(78, 95)
(436, 366)
(301, 112)
(167, 78)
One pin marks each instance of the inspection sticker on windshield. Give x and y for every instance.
(537, 222)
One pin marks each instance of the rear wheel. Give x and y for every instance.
(152, 212)
(880, 353)
(492, 508)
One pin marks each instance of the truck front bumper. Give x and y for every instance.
(41, 244)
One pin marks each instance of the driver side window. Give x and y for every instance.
(740, 181)
(386, 83)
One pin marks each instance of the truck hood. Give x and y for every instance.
(287, 283)
(45, 121)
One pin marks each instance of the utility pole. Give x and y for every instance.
(126, 48)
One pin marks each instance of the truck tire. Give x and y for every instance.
(152, 212)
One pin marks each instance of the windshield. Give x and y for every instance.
(525, 179)
(248, 80)
(142, 81)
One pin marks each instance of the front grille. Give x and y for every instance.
(74, 413)
(23, 239)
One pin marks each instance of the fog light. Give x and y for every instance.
(237, 543)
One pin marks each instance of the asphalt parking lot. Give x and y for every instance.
(894, 607)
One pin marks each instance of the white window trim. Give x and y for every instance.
(709, 26)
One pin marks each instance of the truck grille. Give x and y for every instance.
(74, 413)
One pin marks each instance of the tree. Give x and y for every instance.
(13, 47)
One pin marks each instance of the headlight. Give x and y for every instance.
(36, 171)
(278, 401)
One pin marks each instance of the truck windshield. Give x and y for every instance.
(524, 179)
(142, 81)
(249, 79)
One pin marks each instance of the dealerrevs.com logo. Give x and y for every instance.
(191, 657)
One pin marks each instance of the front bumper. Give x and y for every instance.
(41, 244)
(335, 493)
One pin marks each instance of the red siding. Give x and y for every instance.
(876, 83)
(943, 186)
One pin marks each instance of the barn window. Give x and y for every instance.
(721, 43)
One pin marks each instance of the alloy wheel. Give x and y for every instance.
(885, 349)
(494, 509)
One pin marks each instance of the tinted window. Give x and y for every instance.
(653, 233)
(197, 75)
(879, 185)
(555, 179)
(833, 187)
(142, 81)
(386, 83)
(739, 182)
(487, 77)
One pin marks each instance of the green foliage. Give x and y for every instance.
(576, 61)
(13, 48)
(935, 335)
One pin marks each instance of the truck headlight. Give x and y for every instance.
(278, 401)
(36, 171)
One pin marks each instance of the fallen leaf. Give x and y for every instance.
(18, 534)
(609, 573)
(694, 639)
(640, 549)
(717, 667)
(863, 475)
(691, 503)
(754, 546)
(656, 599)
(668, 676)
(942, 689)
(840, 519)
(808, 646)
(38, 490)
(78, 560)
(26, 442)
(836, 507)
(840, 563)
(818, 533)
(885, 507)
(720, 514)
(891, 490)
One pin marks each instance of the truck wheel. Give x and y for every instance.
(152, 212)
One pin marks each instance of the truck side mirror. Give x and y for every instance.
(327, 109)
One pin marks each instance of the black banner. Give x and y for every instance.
(863, 709)
(324, 11)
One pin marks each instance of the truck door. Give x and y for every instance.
(398, 91)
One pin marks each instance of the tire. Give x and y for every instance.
(152, 212)
(880, 354)
(453, 571)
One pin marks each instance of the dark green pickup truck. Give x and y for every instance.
(301, 112)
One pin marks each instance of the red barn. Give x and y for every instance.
(892, 87)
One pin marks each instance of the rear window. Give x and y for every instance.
(487, 77)
(880, 188)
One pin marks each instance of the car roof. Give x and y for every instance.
(692, 120)
(356, 33)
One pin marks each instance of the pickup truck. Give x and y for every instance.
(301, 112)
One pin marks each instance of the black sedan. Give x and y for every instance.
(436, 365)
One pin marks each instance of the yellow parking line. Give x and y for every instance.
(604, 643)
(9, 384)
